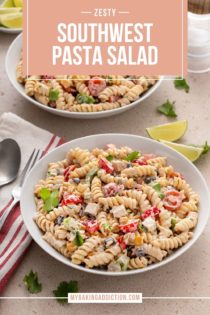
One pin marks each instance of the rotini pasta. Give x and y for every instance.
(103, 209)
(84, 93)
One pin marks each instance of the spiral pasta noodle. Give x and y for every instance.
(101, 208)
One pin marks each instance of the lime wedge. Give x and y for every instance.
(9, 10)
(169, 132)
(190, 152)
(8, 4)
(11, 20)
(18, 3)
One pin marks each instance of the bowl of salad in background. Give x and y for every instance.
(80, 100)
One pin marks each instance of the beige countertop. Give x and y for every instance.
(189, 275)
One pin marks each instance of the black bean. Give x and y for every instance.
(59, 220)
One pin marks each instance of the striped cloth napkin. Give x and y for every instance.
(14, 238)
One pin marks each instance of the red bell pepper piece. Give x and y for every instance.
(130, 227)
(121, 242)
(153, 212)
(67, 172)
(91, 226)
(71, 199)
(106, 165)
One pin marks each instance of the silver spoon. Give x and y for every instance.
(10, 157)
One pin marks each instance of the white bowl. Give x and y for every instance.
(181, 164)
(12, 60)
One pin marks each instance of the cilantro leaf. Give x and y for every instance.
(54, 94)
(61, 293)
(181, 84)
(78, 239)
(133, 156)
(32, 282)
(109, 158)
(157, 188)
(167, 109)
(50, 198)
(81, 99)
(206, 148)
(141, 227)
(44, 194)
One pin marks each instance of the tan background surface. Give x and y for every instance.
(189, 275)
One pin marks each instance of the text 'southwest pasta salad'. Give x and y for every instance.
(85, 93)
(115, 209)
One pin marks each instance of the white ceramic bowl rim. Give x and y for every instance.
(65, 113)
(114, 138)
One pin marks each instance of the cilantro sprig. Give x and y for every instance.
(50, 198)
(167, 109)
(157, 188)
(54, 94)
(133, 156)
(85, 99)
(61, 293)
(31, 281)
(181, 84)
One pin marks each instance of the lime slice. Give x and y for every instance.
(190, 152)
(11, 20)
(8, 4)
(169, 132)
(9, 10)
(18, 3)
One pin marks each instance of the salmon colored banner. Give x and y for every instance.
(103, 37)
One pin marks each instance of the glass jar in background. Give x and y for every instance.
(199, 36)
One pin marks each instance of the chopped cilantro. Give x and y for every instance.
(157, 188)
(50, 198)
(173, 223)
(61, 293)
(181, 84)
(85, 99)
(78, 239)
(89, 177)
(54, 94)
(141, 227)
(167, 109)
(32, 282)
(109, 158)
(133, 156)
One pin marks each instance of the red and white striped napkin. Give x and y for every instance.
(14, 238)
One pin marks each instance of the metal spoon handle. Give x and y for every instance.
(6, 213)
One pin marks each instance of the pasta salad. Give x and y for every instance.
(84, 93)
(115, 208)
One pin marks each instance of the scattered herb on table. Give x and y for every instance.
(205, 147)
(32, 282)
(61, 293)
(50, 198)
(132, 156)
(167, 109)
(181, 84)
(54, 94)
